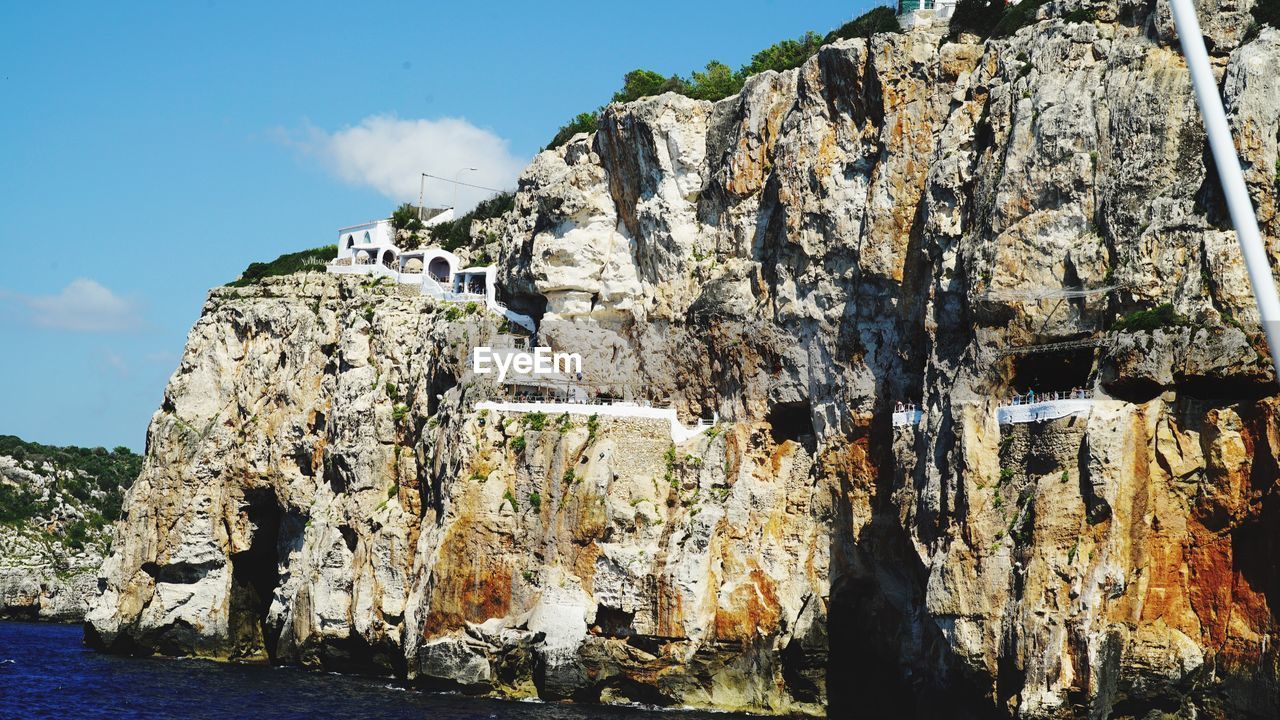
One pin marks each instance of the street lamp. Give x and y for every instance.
(454, 206)
(422, 189)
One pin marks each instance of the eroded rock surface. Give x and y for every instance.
(885, 223)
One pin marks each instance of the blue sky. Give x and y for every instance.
(152, 150)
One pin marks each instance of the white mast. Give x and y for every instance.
(1224, 155)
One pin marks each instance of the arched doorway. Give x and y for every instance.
(439, 269)
(351, 241)
(389, 258)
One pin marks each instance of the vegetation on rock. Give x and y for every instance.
(456, 233)
(95, 476)
(287, 264)
(882, 19)
(717, 81)
(1157, 317)
(405, 218)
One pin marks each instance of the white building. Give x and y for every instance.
(923, 13)
(370, 249)
(369, 242)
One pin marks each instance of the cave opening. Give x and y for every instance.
(614, 622)
(441, 383)
(791, 421)
(1060, 371)
(254, 577)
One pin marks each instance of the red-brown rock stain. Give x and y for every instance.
(472, 580)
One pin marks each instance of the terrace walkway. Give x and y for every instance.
(679, 433)
(1054, 406)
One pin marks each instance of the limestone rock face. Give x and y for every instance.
(48, 572)
(896, 220)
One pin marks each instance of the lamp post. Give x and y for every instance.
(454, 206)
(1252, 248)
(422, 189)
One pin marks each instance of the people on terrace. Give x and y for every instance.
(1031, 396)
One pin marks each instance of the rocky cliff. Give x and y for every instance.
(897, 220)
(56, 505)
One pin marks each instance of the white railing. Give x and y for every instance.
(903, 418)
(679, 433)
(1059, 405)
(1032, 398)
(376, 269)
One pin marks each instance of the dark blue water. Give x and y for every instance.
(46, 673)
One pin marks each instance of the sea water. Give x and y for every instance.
(45, 672)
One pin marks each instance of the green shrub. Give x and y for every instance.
(511, 499)
(586, 122)
(518, 443)
(399, 412)
(287, 264)
(564, 422)
(569, 476)
(1160, 316)
(535, 421)
(405, 217)
(456, 233)
(979, 17)
(76, 533)
(1017, 16)
(714, 82)
(16, 503)
(535, 501)
(883, 19)
(106, 474)
(645, 83)
(784, 55)
(593, 425)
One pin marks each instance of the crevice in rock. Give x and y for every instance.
(254, 576)
(179, 573)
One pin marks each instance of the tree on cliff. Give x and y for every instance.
(878, 20)
(979, 17)
(644, 83)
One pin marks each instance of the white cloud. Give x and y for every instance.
(83, 306)
(389, 155)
